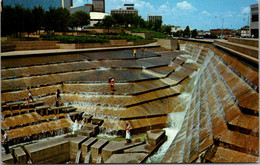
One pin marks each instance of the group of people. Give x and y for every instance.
(143, 51)
(57, 97)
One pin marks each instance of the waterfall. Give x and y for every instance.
(176, 119)
(188, 97)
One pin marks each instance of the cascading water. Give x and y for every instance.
(176, 118)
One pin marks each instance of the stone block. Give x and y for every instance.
(155, 136)
(75, 145)
(97, 121)
(87, 118)
(7, 158)
(118, 147)
(86, 146)
(20, 155)
(127, 158)
(38, 152)
(93, 127)
(97, 148)
(61, 158)
(145, 148)
(87, 133)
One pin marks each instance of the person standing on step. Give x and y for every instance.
(127, 133)
(134, 53)
(142, 51)
(57, 97)
(29, 96)
(5, 142)
(112, 84)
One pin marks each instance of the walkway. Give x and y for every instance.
(59, 51)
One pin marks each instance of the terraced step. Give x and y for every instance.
(244, 51)
(237, 67)
(123, 101)
(247, 124)
(240, 142)
(38, 131)
(225, 155)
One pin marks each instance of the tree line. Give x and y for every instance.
(18, 19)
(130, 20)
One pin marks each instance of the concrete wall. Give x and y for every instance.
(171, 44)
(223, 112)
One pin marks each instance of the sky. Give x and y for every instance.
(197, 14)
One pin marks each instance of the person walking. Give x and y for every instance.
(142, 51)
(57, 97)
(29, 96)
(5, 142)
(127, 134)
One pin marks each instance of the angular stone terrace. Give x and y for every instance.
(144, 86)
(222, 122)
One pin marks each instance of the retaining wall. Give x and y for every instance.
(223, 113)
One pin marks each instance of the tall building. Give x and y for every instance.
(99, 5)
(129, 10)
(46, 4)
(154, 17)
(254, 27)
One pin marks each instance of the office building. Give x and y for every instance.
(99, 5)
(46, 4)
(254, 23)
(129, 9)
(154, 17)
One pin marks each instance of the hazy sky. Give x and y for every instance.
(198, 14)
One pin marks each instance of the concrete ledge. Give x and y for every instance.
(244, 41)
(118, 147)
(155, 136)
(127, 158)
(245, 49)
(20, 155)
(86, 146)
(97, 148)
(242, 55)
(67, 51)
(7, 158)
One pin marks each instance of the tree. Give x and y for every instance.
(108, 21)
(186, 32)
(80, 19)
(156, 25)
(28, 22)
(194, 33)
(19, 19)
(38, 18)
(8, 22)
(167, 29)
(57, 19)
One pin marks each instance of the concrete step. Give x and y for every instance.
(225, 155)
(244, 41)
(246, 124)
(248, 52)
(239, 67)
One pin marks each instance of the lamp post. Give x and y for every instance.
(222, 28)
(248, 25)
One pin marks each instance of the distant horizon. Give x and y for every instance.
(197, 14)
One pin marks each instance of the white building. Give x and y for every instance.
(95, 17)
(177, 28)
(245, 32)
